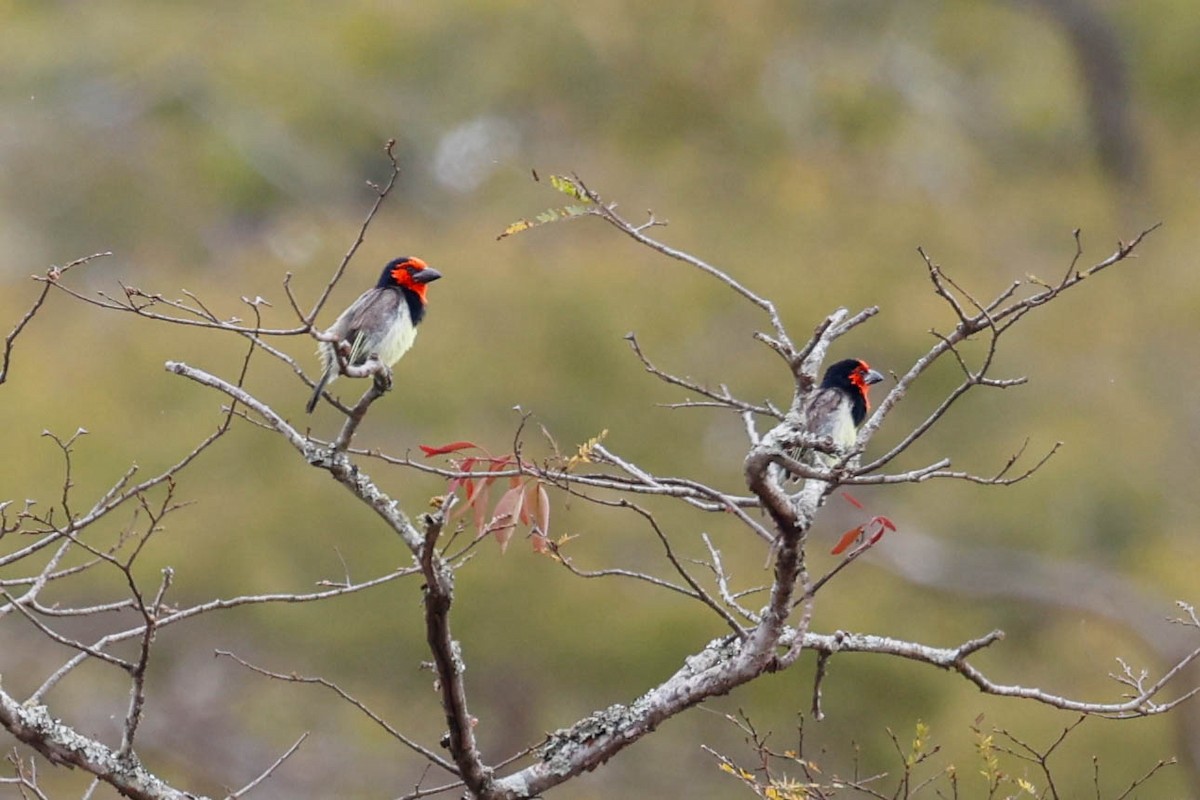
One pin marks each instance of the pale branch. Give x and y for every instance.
(138, 303)
(1191, 620)
(180, 615)
(196, 313)
(696, 494)
(979, 572)
(381, 383)
(32, 724)
(917, 432)
(76, 611)
(607, 212)
(553, 475)
(1169, 762)
(338, 464)
(380, 195)
(955, 659)
(37, 583)
(694, 590)
(137, 687)
(790, 566)
(797, 361)
(843, 327)
(937, 471)
(418, 792)
(61, 745)
(109, 502)
(26, 777)
(51, 278)
(940, 287)
(805, 367)
(448, 661)
(726, 664)
(681, 404)
(822, 669)
(772, 643)
(55, 636)
(722, 666)
(722, 579)
(618, 572)
(269, 770)
(997, 316)
(748, 422)
(362, 707)
(1039, 758)
(719, 668)
(67, 483)
(721, 399)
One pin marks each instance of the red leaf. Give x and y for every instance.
(847, 539)
(480, 506)
(881, 526)
(453, 447)
(477, 500)
(473, 494)
(851, 499)
(537, 515)
(505, 516)
(543, 511)
(529, 504)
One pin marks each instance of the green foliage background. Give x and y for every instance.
(806, 148)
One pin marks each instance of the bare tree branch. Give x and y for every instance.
(269, 770)
(61, 745)
(52, 276)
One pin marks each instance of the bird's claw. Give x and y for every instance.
(383, 379)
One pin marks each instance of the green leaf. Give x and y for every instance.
(568, 186)
(544, 218)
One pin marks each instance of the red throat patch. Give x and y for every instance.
(857, 378)
(403, 276)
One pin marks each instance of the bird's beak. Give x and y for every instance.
(427, 275)
(872, 377)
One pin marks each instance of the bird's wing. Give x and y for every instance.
(364, 321)
(829, 417)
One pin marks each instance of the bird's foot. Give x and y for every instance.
(383, 379)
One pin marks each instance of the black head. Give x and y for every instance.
(409, 273)
(854, 377)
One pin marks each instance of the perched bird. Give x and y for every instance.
(381, 322)
(839, 407)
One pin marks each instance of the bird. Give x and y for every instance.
(837, 409)
(382, 322)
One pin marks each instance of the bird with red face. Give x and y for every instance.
(838, 408)
(382, 322)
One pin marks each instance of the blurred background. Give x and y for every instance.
(806, 148)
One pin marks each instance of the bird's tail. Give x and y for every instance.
(312, 401)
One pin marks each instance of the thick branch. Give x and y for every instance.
(447, 659)
(33, 725)
(339, 465)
